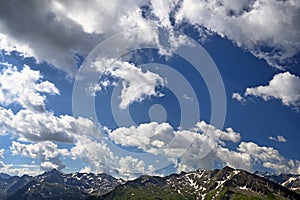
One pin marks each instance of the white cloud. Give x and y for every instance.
(112, 17)
(100, 158)
(260, 153)
(24, 87)
(20, 170)
(33, 122)
(9, 44)
(43, 128)
(93, 89)
(188, 145)
(278, 138)
(253, 25)
(269, 157)
(283, 86)
(136, 84)
(47, 152)
(31, 126)
(250, 24)
(2, 153)
(238, 97)
(161, 139)
(235, 159)
(211, 131)
(129, 164)
(86, 169)
(249, 155)
(288, 167)
(32, 27)
(95, 153)
(162, 10)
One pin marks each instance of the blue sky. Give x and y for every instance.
(149, 87)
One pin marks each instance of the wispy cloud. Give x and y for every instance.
(237, 96)
(278, 138)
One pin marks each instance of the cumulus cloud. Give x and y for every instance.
(9, 45)
(289, 166)
(156, 138)
(100, 157)
(136, 84)
(40, 128)
(20, 170)
(94, 152)
(269, 158)
(231, 158)
(31, 126)
(129, 164)
(25, 88)
(94, 88)
(145, 136)
(162, 10)
(33, 26)
(43, 129)
(283, 86)
(227, 135)
(112, 17)
(33, 122)
(47, 152)
(189, 145)
(278, 138)
(249, 155)
(162, 139)
(2, 153)
(78, 32)
(253, 25)
(237, 96)
(119, 16)
(86, 169)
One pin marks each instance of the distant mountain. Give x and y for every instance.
(45, 190)
(4, 176)
(87, 182)
(56, 185)
(226, 183)
(11, 185)
(290, 181)
(202, 184)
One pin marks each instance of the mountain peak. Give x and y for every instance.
(227, 168)
(54, 171)
(51, 172)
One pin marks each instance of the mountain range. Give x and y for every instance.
(226, 183)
